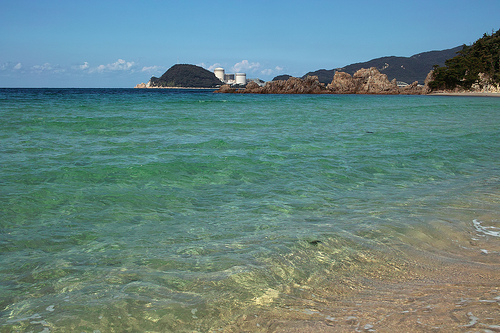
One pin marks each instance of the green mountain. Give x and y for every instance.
(187, 76)
(479, 62)
(406, 69)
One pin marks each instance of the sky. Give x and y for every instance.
(113, 43)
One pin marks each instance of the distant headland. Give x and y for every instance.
(183, 76)
(473, 69)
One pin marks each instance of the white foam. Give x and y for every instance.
(490, 231)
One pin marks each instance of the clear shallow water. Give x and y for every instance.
(178, 210)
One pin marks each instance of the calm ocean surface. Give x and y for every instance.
(165, 210)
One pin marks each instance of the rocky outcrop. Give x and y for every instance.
(252, 87)
(343, 83)
(225, 89)
(370, 81)
(364, 81)
(485, 85)
(293, 85)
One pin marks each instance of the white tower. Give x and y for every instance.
(219, 73)
(240, 78)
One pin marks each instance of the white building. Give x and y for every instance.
(219, 73)
(238, 78)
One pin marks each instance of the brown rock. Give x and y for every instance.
(253, 88)
(343, 83)
(371, 81)
(364, 81)
(293, 85)
(226, 88)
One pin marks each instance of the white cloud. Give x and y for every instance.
(266, 71)
(8, 66)
(41, 68)
(119, 65)
(84, 66)
(272, 71)
(209, 67)
(47, 67)
(245, 66)
(151, 69)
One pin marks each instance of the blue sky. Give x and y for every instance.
(111, 43)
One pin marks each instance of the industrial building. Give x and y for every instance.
(232, 79)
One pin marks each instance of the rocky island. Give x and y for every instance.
(183, 76)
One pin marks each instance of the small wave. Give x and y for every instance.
(491, 231)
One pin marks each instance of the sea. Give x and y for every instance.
(164, 210)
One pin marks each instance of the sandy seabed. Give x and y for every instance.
(444, 294)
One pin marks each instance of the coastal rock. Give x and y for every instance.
(141, 85)
(252, 87)
(226, 88)
(412, 89)
(371, 81)
(485, 85)
(343, 83)
(293, 85)
(364, 81)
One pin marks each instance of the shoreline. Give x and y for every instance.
(467, 94)
(186, 88)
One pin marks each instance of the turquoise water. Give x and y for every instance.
(166, 210)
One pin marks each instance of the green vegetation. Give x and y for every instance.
(189, 76)
(462, 71)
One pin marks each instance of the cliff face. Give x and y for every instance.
(364, 81)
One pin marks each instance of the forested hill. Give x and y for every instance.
(479, 62)
(188, 76)
(406, 69)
